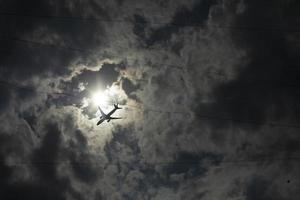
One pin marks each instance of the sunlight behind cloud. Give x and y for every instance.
(105, 98)
(100, 98)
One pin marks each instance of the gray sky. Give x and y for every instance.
(209, 91)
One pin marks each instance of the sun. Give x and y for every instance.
(100, 98)
(104, 98)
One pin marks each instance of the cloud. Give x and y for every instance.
(184, 16)
(25, 55)
(207, 108)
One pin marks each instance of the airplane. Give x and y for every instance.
(108, 115)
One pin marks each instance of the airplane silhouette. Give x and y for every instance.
(108, 115)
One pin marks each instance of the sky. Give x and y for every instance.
(209, 91)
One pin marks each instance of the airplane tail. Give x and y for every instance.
(116, 106)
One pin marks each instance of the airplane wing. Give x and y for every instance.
(115, 118)
(101, 111)
(100, 121)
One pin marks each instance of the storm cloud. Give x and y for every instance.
(209, 91)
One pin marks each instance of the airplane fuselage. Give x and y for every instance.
(107, 116)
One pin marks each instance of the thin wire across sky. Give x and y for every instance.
(194, 24)
(205, 117)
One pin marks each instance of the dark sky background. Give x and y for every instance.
(210, 91)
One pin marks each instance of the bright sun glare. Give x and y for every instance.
(102, 98)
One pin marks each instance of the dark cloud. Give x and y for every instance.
(122, 138)
(140, 24)
(33, 189)
(26, 28)
(189, 164)
(6, 170)
(266, 87)
(130, 88)
(30, 118)
(83, 169)
(45, 158)
(222, 125)
(259, 188)
(183, 17)
(5, 97)
(82, 165)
